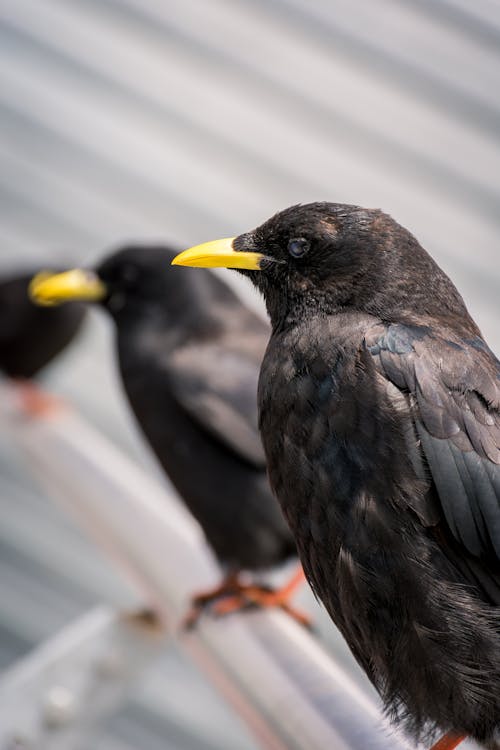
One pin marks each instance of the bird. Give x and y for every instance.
(379, 414)
(189, 354)
(31, 337)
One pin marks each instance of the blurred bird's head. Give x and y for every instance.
(328, 257)
(133, 282)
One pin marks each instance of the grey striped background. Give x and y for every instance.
(186, 120)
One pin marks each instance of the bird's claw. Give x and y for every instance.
(222, 603)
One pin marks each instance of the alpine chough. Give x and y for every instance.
(379, 412)
(189, 354)
(31, 337)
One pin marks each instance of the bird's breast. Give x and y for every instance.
(326, 436)
(298, 401)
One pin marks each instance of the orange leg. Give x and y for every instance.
(262, 597)
(449, 741)
(35, 401)
(282, 595)
(233, 596)
(229, 585)
(229, 588)
(251, 601)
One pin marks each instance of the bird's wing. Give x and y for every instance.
(13, 303)
(218, 388)
(453, 387)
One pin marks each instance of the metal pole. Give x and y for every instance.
(53, 697)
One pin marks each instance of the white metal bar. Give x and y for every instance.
(278, 678)
(54, 695)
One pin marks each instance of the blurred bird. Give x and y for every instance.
(31, 336)
(189, 354)
(379, 412)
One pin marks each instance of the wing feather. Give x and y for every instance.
(217, 387)
(453, 389)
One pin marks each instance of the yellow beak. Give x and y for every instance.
(218, 254)
(49, 289)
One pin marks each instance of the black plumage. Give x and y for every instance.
(379, 412)
(189, 354)
(31, 336)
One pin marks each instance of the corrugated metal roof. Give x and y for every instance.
(187, 120)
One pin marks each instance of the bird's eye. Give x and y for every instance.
(298, 247)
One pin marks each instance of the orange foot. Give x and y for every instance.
(234, 596)
(449, 741)
(35, 401)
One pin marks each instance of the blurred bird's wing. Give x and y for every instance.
(217, 386)
(13, 303)
(453, 389)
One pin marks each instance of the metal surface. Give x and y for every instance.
(55, 695)
(282, 683)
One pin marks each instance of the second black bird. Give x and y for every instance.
(189, 354)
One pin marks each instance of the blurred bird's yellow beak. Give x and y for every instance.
(218, 254)
(49, 289)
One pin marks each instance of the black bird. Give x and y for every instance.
(189, 354)
(379, 412)
(31, 336)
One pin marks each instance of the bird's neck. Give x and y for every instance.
(287, 311)
(437, 304)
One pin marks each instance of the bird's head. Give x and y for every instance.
(327, 257)
(130, 283)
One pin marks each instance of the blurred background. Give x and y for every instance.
(188, 120)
